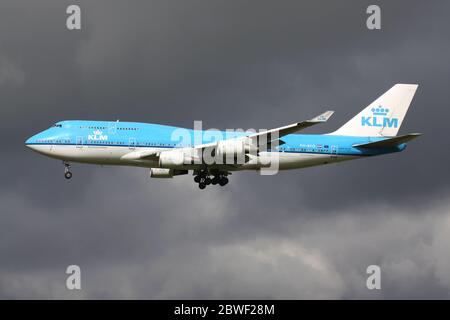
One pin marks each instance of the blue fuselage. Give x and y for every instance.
(143, 135)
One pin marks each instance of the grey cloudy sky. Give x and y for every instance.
(233, 64)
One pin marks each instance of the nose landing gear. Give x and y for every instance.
(67, 173)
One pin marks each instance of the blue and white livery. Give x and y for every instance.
(213, 155)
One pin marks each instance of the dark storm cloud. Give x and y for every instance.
(235, 64)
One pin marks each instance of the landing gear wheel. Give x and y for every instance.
(208, 181)
(215, 180)
(67, 173)
(197, 179)
(202, 185)
(223, 181)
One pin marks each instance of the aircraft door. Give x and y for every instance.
(334, 151)
(79, 142)
(132, 143)
(112, 127)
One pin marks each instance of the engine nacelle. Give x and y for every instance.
(235, 150)
(236, 146)
(166, 173)
(172, 159)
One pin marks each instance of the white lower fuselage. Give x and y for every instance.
(114, 155)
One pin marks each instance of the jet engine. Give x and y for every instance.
(235, 150)
(175, 159)
(166, 173)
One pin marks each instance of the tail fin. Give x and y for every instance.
(384, 116)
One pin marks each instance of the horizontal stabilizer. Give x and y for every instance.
(390, 142)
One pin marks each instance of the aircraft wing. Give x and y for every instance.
(295, 127)
(275, 134)
(268, 136)
(141, 155)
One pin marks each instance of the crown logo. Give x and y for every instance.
(380, 111)
(98, 132)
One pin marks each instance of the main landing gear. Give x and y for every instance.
(67, 173)
(203, 178)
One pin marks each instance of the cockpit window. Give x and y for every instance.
(57, 125)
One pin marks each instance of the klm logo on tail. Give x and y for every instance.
(379, 119)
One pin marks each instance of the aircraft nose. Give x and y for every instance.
(30, 141)
(33, 143)
(36, 138)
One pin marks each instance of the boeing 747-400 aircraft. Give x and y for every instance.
(212, 155)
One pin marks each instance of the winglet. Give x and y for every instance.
(323, 117)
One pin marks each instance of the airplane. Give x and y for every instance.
(371, 132)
